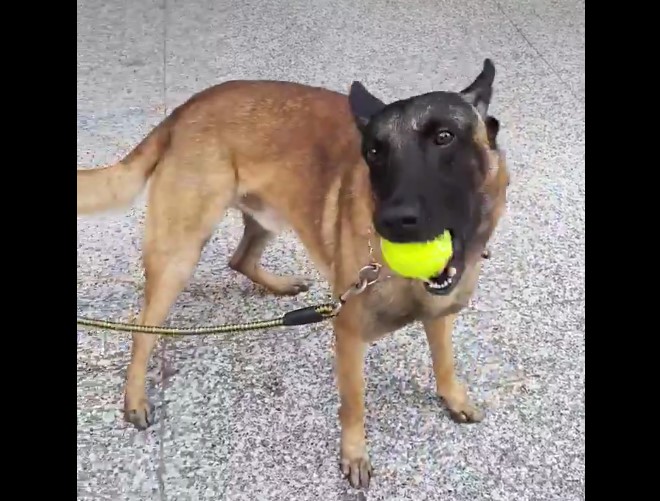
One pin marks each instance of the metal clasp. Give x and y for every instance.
(367, 276)
(370, 273)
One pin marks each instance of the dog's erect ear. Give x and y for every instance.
(479, 92)
(492, 129)
(363, 104)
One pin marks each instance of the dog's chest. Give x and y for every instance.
(396, 302)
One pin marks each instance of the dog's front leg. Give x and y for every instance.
(439, 335)
(350, 350)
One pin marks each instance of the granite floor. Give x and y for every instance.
(233, 412)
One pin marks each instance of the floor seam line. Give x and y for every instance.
(160, 471)
(538, 52)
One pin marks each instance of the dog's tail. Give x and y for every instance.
(118, 185)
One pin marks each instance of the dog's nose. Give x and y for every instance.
(401, 218)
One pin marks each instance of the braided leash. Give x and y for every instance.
(303, 316)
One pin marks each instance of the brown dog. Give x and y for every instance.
(340, 172)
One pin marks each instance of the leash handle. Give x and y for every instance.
(309, 315)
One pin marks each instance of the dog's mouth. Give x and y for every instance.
(445, 281)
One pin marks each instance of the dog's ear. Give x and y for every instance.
(492, 129)
(363, 104)
(479, 92)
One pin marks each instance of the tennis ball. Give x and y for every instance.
(418, 260)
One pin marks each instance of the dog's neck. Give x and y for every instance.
(358, 216)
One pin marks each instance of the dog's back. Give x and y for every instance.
(271, 149)
(265, 128)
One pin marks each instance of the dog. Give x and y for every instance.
(339, 170)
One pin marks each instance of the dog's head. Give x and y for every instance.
(434, 166)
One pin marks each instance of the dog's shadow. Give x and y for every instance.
(237, 287)
(392, 390)
(211, 291)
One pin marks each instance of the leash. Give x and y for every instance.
(302, 316)
(367, 276)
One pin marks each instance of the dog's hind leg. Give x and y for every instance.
(167, 272)
(187, 199)
(246, 260)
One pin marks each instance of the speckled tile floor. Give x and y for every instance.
(233, 413)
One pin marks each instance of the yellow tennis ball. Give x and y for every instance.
(418, 260)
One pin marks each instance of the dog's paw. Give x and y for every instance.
(290, 286)
(461, 409)
(465, 413)
(357, 470)
(141, 416)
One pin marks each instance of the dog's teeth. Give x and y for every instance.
(451, 271)
(439, 286)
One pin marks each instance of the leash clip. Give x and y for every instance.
(367, 276)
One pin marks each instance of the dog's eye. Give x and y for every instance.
(372, 154)
(443, 137)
